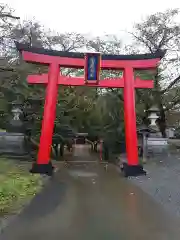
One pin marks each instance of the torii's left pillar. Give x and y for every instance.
(43, 163)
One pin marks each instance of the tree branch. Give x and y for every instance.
(171, 85)
(142, 41)
(118, 95)
(6, 15)
(173, 104)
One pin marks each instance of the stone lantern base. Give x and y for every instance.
(13, 144)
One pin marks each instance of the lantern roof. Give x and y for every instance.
(153, 109)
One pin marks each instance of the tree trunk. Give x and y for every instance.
(162, 122)
(157, 95)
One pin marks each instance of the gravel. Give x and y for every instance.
(163, 181)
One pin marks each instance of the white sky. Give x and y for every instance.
(106, 17)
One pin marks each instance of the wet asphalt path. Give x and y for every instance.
(86, 202)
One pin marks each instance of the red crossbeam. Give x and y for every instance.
(77, 81)
(79, 63)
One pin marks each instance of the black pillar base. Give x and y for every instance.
(132, 170)
(42, 168)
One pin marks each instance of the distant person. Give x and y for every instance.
(69, 145)
(105, 150)
(95, 145)
(57, 140)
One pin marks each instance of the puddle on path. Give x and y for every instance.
(80, 173)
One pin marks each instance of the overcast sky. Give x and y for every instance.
(96, 17)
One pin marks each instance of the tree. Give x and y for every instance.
(160, 31)
(7, 21)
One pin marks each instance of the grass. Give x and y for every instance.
(17, 185)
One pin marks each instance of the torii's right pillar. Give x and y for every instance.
(132, 167)
(145, 62)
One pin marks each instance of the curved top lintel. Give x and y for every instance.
(25, 47)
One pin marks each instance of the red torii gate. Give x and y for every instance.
(55, 60)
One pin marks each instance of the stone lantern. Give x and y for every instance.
(153, 116)
(13, 142)
(16, 124)
(155, 142)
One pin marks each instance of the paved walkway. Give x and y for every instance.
(86, 202)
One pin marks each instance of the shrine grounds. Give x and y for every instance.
(163, 180)
(161, 185)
